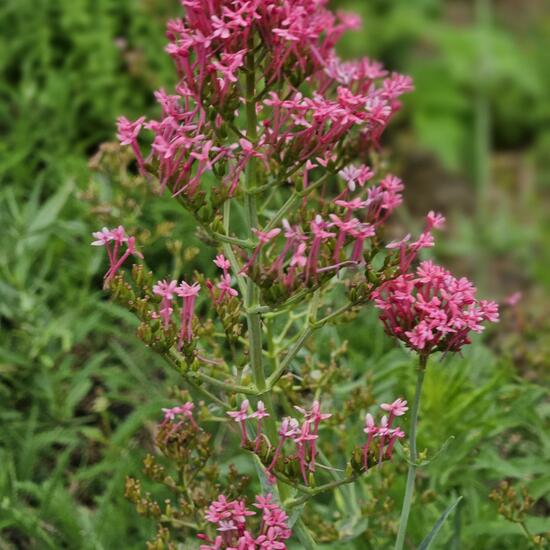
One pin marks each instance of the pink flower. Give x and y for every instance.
(383, 432)
(299, 258)
(102, 237)
(354, 175)
(185, 410)
(397, 408)
(263, 238)
(371, 430)
(513, 299)
(189, 295)
(394, 435)
(128, 133)
(228, 66)
(313, 417)
(259, 413)
(434, 221)
(225, 287)
(267, 236)
(222, 263)
(318, 228)
(112, 240)
(226, 525)
(360, 233)
(302, 440)
(346, 227)
(240, 416)
(166, 290)
(289, 429)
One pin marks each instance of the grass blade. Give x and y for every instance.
(427, 542)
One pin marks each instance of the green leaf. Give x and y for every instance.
(427, 542)
(51, 209)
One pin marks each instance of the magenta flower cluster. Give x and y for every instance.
(431, 310)
(211, 46)
(354, 221)
(230, 518)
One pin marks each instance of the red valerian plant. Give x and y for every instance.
(271, 142)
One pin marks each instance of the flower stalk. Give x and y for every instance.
(411, 474)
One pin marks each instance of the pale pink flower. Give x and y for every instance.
(225, 287)
(371, 430)
(185, 410)
(263, 238)
(289, 429)
(167, 291)
(313, 416)
(189, 295)
(434, 221)
(112, 240)
(397, 408)
(128, 133)
(222, 263)
(240, 416)
(259, 413)
(320, 234)
(513, 299)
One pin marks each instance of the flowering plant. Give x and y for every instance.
(271, 143)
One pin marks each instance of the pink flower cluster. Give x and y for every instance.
(384, 433)
(225, 290)
(230, 518)
(113, 240)
(353, 222)
(304, 436)
(431, 310)
(242, 415)
(185, 412)
(302, 128)
(287, 40)
(188, 293)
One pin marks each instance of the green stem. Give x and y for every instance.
(292, 201)
(482, 130)
(411, 475)
(318, 490)
(233, 240)
(304, 335)
(252, 292)
(222, 384)
(345, 308)
(228, 251)
(280, 370)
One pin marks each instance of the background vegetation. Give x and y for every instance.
(79, 394)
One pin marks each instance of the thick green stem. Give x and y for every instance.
(411, 475)
(253, 317)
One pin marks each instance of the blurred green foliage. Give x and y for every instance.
(78, 392)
